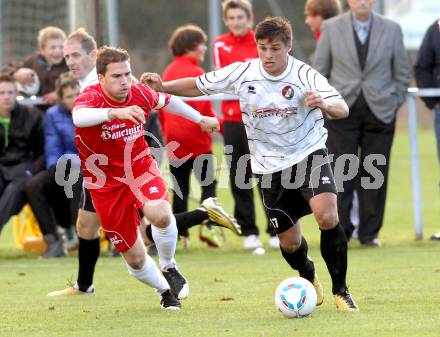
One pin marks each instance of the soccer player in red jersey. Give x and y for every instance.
(122, 176)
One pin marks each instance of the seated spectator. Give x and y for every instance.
(21, 148)
(48, 199)
(48, 63)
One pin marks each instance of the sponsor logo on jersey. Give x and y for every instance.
(113, 126)
(129, 134)
(287, 92)
(106, 135)
(269, 112)
(251, 89)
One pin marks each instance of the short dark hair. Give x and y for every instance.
(274, 27)
(65, 80)
(186, 38)
(6, 78)
(323, 8)
(86, 40)
(107, 55)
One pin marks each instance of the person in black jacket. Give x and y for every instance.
(427, 70)
(21, 149)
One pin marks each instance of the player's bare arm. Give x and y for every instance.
(179, 107)
(181, 87)
(335, 108)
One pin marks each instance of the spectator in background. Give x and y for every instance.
(48, 63)
(367, 63)
(188, 46)
(48, 199)
(316, 11)
(238, 45)
(428, 76)
(21, 148)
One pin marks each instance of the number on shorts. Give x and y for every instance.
(274, 222)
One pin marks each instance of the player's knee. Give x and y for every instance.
(161, 219)
(136, 262)
(86, 229)
(290, 244)
(327, 219)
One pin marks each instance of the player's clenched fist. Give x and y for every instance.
(209, 124)
(132, 113)
(313, 99)
(153, 80)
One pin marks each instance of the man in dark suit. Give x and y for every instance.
(363, 56)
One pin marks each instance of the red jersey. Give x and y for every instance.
(192, 139)
(229, 49)
(117, 138)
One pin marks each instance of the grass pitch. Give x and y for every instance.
(396, 286)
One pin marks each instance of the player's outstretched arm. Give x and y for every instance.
(179, 107)
(334, 107)
(86, 117)
(181, 87)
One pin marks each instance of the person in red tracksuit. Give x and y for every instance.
(194, 151)
(239, 45)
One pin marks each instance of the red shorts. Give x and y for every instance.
(117, 203)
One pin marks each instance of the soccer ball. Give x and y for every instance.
(295, 297)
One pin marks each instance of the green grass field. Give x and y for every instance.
(396, 286)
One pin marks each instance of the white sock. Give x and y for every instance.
(166, 240)
(150, 274)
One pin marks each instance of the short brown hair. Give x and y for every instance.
(274, 27)
(323, 8)
(49, 33)
(245, 5)
(6, 78)
(186, 38)
(65, 80)
(86, 40)
(107, 55)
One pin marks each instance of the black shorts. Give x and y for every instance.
(85, 201)
(286, 193)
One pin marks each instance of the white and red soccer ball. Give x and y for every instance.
(295, 297)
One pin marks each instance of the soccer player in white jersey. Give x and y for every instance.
(283, 101)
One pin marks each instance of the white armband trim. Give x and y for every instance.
(179, 107)
(161, 101)
(85, 117)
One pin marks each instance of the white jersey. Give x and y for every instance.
(281, 130)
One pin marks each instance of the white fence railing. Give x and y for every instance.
(412, 125)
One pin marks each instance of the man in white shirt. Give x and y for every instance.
(283, 101)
